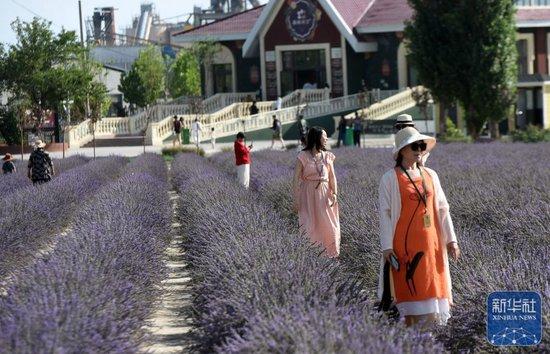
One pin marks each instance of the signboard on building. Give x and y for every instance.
(302, 18)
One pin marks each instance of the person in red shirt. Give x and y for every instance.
(242, 160)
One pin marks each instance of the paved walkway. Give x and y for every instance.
(368, 141)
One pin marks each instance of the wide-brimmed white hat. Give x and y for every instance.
(404, 119)
(408, 136)
(39, 143)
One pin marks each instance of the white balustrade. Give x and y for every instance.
(389, 103)
(304, 96)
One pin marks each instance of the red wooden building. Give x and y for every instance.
(348, 45)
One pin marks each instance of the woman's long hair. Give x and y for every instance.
(313, 139)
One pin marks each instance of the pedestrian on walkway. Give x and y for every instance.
(177, 131)
(416, 235)
(8, 166)
(196, 129)
(253, 109)
(315, 193)
(40, 166)
(277, 132)
(279, 104)
(213, 138)
(302, 129)
(357, 130)
(342, 126)
(242, 160)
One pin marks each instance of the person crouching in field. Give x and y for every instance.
(315, 191)
(8, 166)
(242, 160)
(416, 235)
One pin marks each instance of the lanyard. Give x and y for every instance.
(423, 196)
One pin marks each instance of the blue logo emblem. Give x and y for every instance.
(514, 318)
(301, 19)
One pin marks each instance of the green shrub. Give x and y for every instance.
(227, 149)
(453, 134)
(174, 150)
(8, 127)
(532, 134)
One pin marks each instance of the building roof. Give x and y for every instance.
(359, 16)
(233, 27)
(385, 16)
(352, 11)
(533, 17)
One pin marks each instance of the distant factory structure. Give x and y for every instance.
(118, 49)
(149, 28)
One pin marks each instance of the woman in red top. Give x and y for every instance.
(242, 160)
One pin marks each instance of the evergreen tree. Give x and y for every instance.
(465, 50)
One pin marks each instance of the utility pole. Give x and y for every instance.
(80, 23)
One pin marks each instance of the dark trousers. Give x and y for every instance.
(357, 138)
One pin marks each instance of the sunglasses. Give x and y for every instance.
(419, 145)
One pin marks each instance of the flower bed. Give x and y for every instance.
(250, 266)
(92, 293)
(14, 181)
(31, 216)
(500, 206)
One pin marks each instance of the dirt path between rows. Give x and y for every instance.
(168, 324)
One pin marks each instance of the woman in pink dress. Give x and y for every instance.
(315, 190)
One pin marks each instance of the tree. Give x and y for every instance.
(144, 83)
(465, 50)
(432, 44)
(46, 69)
(489, 62)
(204, 52)
(184, 75)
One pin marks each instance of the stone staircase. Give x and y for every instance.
(227, 115)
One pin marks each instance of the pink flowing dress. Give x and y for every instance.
(317, 218)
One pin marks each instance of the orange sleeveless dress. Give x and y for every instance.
(420, 252)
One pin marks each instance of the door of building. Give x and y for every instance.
(223, 78)
(303, 69)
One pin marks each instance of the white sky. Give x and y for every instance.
(64, 13)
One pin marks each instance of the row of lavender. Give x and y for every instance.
(30, 217)
(500, 202)
(93, 291)
(259, 286)
(12, 182)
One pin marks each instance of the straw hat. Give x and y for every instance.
(8, 157)
(39, 143)
(408, 136)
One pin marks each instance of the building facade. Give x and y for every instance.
(350, 45)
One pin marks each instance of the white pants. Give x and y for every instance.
(195, 136)
(243, 175)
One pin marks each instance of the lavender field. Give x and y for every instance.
(500, 202)
(81, 258)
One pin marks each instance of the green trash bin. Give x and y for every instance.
(185, 136)
(348, 141)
